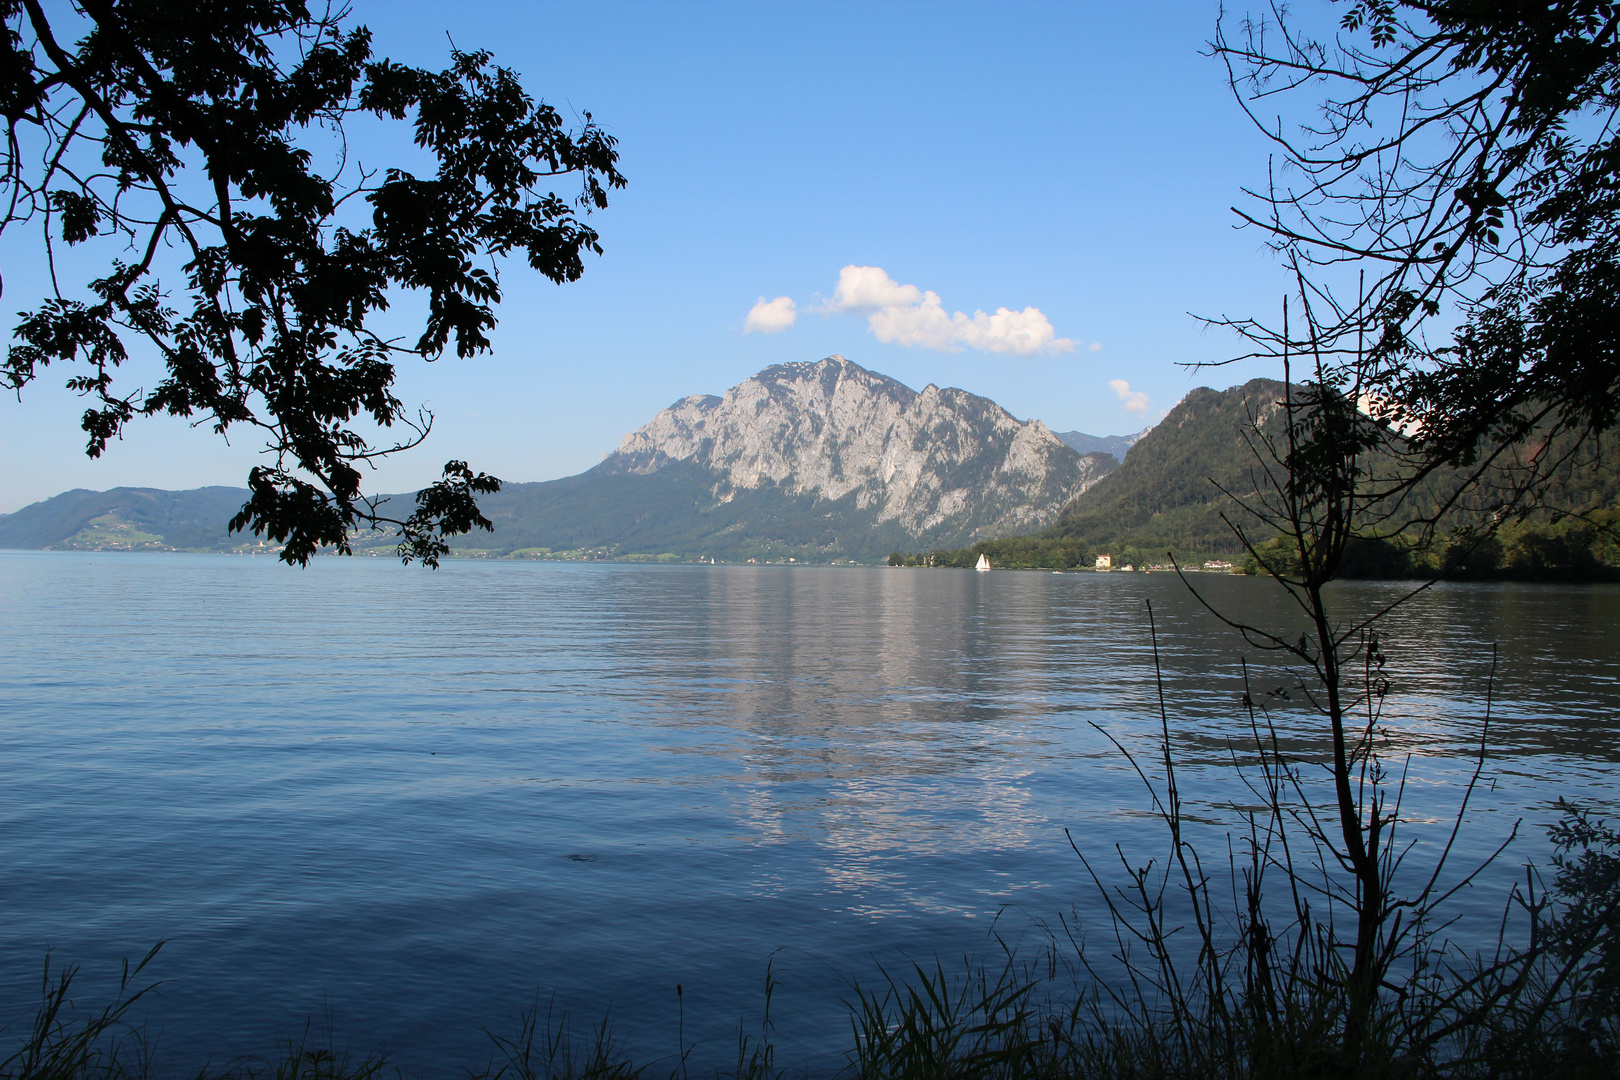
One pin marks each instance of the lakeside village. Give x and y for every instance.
(1102, 562)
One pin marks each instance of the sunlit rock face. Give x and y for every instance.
(929, 461)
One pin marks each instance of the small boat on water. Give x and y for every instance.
(984, 562)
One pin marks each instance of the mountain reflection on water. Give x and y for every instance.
(420, 799)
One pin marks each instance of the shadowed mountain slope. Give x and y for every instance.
(1171, 493)
(1167, 494)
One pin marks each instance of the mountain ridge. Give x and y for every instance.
(927, 460)
(809, 461)
(1116, 446)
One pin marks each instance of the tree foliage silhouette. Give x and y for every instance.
(1450, 206)
(206, 141)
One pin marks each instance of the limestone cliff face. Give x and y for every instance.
(939, 461)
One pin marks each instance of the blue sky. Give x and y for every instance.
(1078, 158)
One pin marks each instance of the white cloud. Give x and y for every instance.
(1134, 400)
(864, 288)
(771, 316)
(906, 315)
(1095, 346)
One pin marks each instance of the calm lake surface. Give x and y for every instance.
(410, 804)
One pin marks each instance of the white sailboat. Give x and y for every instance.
(984, 562)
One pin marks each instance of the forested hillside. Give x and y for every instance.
(1171, 492)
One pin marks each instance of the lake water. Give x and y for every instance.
(410, 804)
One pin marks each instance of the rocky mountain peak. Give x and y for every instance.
(938, 459)
(822, 379)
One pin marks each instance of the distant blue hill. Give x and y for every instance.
(1113, 445)
(133, 518)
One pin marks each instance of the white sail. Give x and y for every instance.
(984, 562)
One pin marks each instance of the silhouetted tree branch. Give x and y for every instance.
(155, 128)
(1444, 188)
